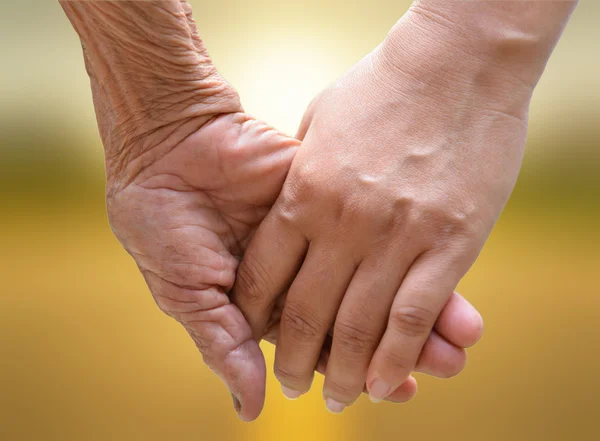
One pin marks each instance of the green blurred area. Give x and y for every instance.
(85, 354)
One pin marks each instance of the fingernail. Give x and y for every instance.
(290, 394)
(237, 405)
(378, 391)
(334, 406)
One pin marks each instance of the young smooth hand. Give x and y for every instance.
(406, 163)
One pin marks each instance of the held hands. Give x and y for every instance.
(187, 219)
(375, 215)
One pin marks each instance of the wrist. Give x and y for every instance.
(505, 41)
(421, 46)
(415, 61)
(496, 50)
(153, 83)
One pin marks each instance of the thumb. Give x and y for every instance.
(222, 335)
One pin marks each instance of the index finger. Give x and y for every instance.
(268, 267)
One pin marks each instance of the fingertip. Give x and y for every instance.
(406, 392)
(244, 372)
(379, 390)
(460, 322)
(290, 394)
(441, 358)
(474, 320)
(264, 273)
(237, 406)
(478, 329)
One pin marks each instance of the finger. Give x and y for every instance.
(359, 326)
(421, 297)
(402, 394)
(267, 269)
(223, 337)
(460, 323)
(440, 358)
(345, 381)
(309, 312)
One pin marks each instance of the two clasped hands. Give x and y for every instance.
(343, 245)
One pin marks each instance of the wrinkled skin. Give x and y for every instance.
(187, 218)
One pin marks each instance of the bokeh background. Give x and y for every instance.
(86, 355)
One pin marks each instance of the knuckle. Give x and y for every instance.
(348, 392)
(412, 321)
(292, 203)
(187, 273)
(178, 301)
(353, 339)
(457, 224)
(308, 191)
(253, 280)
(288, 376)
(398, 207)
(218, 332)
(287, 211)
(300, 323)
(398, 362)
(302, 187)
(441, 220)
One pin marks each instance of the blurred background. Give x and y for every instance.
(86, 355)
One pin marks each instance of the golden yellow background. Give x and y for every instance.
(85, 354)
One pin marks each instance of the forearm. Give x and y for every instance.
(495, 45)
(150, 74)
